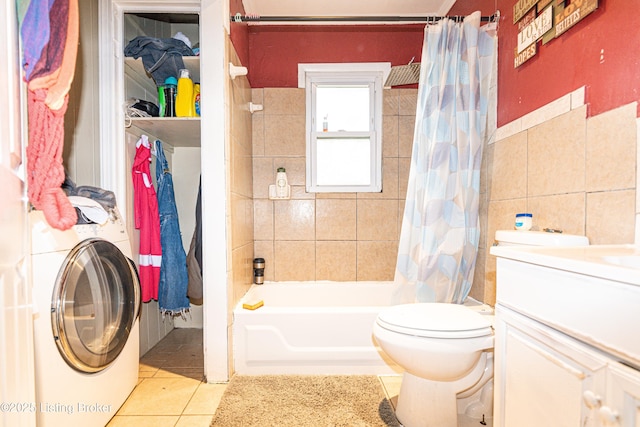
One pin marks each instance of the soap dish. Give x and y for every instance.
(273, 194)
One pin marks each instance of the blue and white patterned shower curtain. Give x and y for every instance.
(441, 228)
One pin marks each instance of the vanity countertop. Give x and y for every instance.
(620, 263)
(591, 293)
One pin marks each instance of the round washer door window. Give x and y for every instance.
(94, 305)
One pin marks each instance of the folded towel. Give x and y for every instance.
(51, 57)
(21, 7)
(35, 30)
(59, 81)
(90, 209)
(106, 198)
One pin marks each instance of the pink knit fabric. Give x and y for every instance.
(47, 102)
(45, 173)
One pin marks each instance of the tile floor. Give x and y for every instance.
(171, 391)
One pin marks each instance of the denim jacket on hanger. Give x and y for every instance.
(172, 289)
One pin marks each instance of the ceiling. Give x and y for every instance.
(347, 8)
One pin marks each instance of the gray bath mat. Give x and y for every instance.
(304, 400)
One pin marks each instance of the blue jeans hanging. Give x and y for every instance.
(174, 279)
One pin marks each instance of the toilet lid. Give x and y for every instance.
(434, 320)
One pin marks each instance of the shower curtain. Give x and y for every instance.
(440, 228)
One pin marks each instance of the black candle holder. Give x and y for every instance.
(258, 271)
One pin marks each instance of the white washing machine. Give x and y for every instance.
(87, 299)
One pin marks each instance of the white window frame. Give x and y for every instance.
(371, 74)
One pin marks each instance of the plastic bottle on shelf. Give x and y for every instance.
(184, 97)
(161, 102)
(170, 86)
(196, 98)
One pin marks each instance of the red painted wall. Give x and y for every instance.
(466, 7)
(239, 33)
(561, 66)
(275, 51)
(573, 60)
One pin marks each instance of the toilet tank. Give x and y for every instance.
(539, 238)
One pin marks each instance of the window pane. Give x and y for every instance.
(343, 161)
(343, 108)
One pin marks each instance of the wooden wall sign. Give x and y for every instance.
(569, 15)
(525, 55)
(535, 30)
(526, 19)
(522, 7)
(545, 20)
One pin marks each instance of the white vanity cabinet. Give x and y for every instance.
(566, 340)
(622, 403)
(544, 377)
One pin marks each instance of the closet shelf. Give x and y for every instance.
(175, 131)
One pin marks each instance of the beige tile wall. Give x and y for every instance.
(240, 197)
(326, 236)
(573, 173)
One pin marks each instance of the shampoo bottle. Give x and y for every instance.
(184, 97)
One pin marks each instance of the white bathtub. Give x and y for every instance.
(311, 328)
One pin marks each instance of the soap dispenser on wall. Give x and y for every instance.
(281, 189)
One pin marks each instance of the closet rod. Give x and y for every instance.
(428, 19)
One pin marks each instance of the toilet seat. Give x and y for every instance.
(434, 320)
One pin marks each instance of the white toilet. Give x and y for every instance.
(447, 349)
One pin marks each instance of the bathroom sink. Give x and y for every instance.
(612, 262)
(591, 293)
(631, 261)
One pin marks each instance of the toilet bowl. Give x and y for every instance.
(447, 350)
(444, 349)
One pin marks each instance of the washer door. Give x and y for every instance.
(94, 305)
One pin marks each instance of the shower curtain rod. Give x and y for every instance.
(428, 19)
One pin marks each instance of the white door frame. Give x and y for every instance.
(17, 372)
(214, 16)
